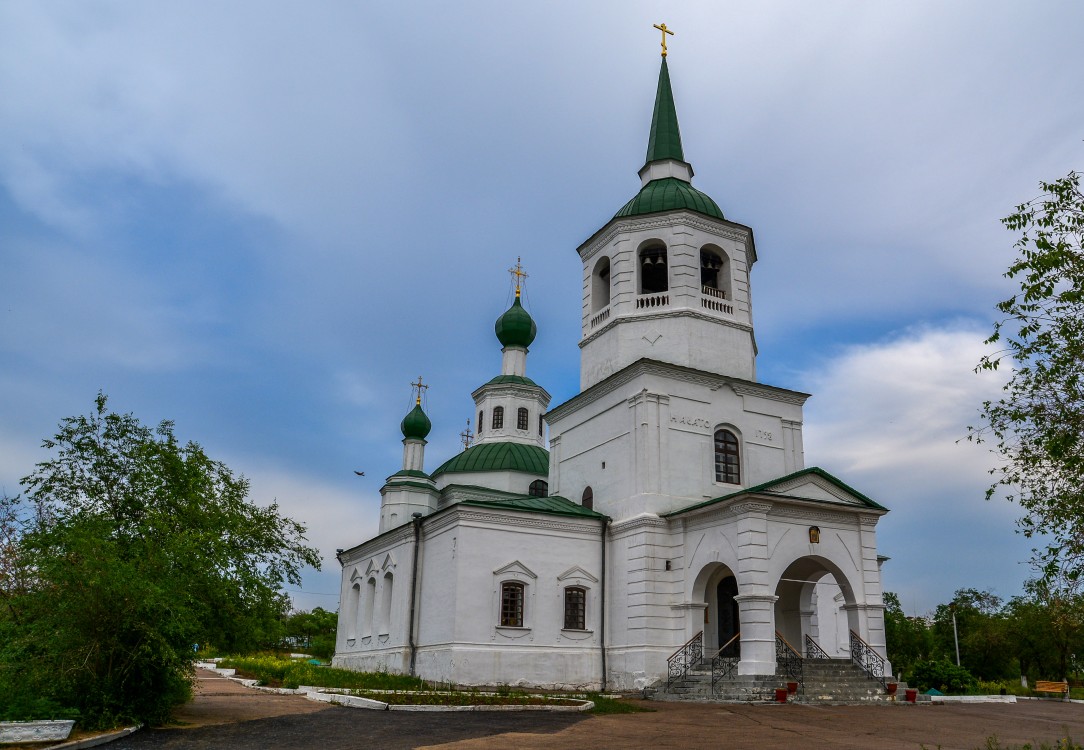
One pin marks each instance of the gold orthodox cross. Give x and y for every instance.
(665, 31)
(467, 436)
(518, 274)
(419, 388)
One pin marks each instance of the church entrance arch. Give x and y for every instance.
(717, 586)
(814, 599)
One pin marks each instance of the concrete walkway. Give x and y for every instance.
(225, 714)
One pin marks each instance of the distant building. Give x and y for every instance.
(673, 501)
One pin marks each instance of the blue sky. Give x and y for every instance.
(262, 220)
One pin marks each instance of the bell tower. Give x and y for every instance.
(667, 278)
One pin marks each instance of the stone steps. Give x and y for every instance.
(824, 681)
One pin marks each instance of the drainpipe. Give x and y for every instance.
(417, 521)
(602, 608)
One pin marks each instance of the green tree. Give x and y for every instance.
(312, 631)
(909, 639)
(133, 548)
(1037, 426)
(986, 648)
(1047, 626)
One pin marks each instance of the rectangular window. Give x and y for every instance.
(512, 605)
(539, 425)
(523, 419)
(575, 608)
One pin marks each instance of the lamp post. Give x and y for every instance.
(955, 635)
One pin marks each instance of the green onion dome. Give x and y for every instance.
(416, 425)
(515, 327)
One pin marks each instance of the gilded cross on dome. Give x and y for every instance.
(518, 274)
(418, 388)
(665, 31)
(467, 436)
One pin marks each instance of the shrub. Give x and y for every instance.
(942, 675)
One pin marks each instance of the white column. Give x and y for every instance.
(756, 612)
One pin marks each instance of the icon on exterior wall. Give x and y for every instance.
(814, 535)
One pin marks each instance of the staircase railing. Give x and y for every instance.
(787, 660)
(813, 649)
(689, 655)
(724, 663)
(868, 660)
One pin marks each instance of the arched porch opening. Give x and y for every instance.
(716, 586)
(815, 599)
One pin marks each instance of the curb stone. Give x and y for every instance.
(101, 739)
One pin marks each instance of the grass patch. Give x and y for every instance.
(463, 698)
(616, 705)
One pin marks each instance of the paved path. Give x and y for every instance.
(224, 714)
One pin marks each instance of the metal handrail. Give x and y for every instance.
(787, 659)
(813, 649)
(868, 660)
(690, 654)
(723, 667)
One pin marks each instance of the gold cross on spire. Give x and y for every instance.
(418, 388)
(467, 436)
(518, 274)
(665, 31)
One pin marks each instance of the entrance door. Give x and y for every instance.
(729, 623)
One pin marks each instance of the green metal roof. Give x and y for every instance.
(416, 425)
(767, 488)
(530, 459)
(664, 142)
(555, 506)
(515, 327)
(669, 194)
(512, 380)
(410, 473)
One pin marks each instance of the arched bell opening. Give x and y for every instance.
(813, 594)
(654, 270)
(715, 276)
(600, 285)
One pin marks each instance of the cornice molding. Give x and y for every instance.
(673, 312)
(662, 369)
(639, 522)
(677, 218)
(383, 543)
(513, 390)
(587, 527)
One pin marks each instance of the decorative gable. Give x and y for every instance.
(578, 574)
(515, 569)
(814, 487)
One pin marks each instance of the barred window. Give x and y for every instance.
(481, 420)
(539, 488)
(727, 458)
(539, 425)
(498, 417)
(512, 604)
(587, 500)
(575, 608)
(523, 419)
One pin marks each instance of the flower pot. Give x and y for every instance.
(891, 688)
(792, 687)
(912, 695)
(780, 695)
(34, 731)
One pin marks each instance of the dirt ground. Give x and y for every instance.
(225, 714)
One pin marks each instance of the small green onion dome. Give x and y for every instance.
(515, 327)
(416, 425)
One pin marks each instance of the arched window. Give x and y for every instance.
(727, 458)
(588, 499)
(600, 285)
(369, 612)
(481, 420)
(498, 417)
(539, 488)
(351, 614)
(575, 608)
(654, 276)
(512, 604)
(523, 419)
(385, 605)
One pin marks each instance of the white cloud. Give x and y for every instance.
(891, 419)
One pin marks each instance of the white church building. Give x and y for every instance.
(673, 505)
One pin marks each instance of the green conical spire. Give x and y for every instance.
(665, 140)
